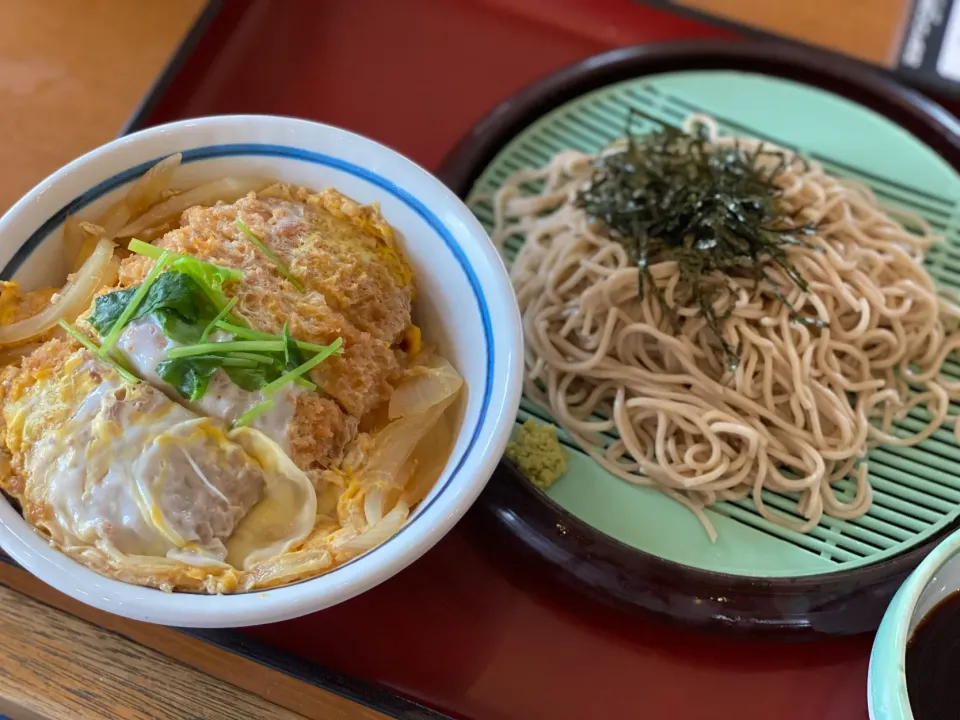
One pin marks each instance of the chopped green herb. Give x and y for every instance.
(231, 346)
(175, 300)
(139, 294)
(257, 359)
(146, 249)
(715, 211)
(252, 379)
(303, 369)
(185, 296)
(152, 251)
(252, 413)
(255, 378)
(251, 334)
(260, 377)
(270, 256)
(291, 353)
(92, 347)
(108, 308)
(263, 372)
(304, 383)
(190, 376)
(251, 364)
(182, 331)
(276, 368)
(245, 332)
(190, 368)
(239, 362)
(209, 277)
(224, 311)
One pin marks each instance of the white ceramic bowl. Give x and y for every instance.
(934, 580)
(465, 304)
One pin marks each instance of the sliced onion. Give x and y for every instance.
(386, 471)
(429, 460)
(72, 236)
(378, 499)
(418, 394)
(226, 189)
(74, 298)
(287, 568)
(148, 189)
(388, 526)
(114, 218)
(143, 194)
(90, 235)
(396, 442)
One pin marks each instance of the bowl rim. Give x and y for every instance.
(896, 628)
(330, 146)
(844, 602)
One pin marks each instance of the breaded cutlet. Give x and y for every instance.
(357, 284)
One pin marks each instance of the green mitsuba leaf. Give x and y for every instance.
(180, 306)
(191, 375)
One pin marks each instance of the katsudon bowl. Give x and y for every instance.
(463, 306)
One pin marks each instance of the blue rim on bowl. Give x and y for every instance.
(452, 257)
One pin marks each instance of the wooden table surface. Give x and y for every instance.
(60, 659)
(72, 72)
(865, 29)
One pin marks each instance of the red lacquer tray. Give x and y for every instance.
(472, 630)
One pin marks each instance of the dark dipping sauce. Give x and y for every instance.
(933, 663)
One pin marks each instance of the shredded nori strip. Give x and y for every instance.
(671, 195)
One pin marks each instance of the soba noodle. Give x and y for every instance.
(804, 404)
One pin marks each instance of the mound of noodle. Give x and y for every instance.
(804, 404)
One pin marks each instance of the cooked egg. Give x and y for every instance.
(123, 469)
(16, 304)
(145, 346)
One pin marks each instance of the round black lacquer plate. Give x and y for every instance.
(632, 547)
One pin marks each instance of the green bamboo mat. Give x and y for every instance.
(916, 490)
